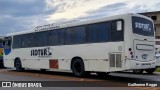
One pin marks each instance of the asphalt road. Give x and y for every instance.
(114, 81)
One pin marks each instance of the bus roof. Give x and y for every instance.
(79, 23)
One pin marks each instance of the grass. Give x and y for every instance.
(158, 69)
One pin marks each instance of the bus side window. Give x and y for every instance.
(119, 25)
(117, 33)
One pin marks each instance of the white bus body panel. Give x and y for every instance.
(95, 56)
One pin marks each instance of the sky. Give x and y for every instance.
(22, 15)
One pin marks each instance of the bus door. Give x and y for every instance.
(7, 45)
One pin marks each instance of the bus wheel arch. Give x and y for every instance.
(18, 64)
(78, 66)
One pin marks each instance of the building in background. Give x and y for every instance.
(155, 16)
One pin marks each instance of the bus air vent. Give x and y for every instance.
(115, 60)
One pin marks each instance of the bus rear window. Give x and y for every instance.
(142, 26)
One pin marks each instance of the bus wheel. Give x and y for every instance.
(18, 65)
(102, 74)
(138, 71)
(150, 71)
(78, 68)
(43, 70)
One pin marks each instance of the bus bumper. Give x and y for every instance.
(132, 64)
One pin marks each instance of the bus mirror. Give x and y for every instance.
(119, 25)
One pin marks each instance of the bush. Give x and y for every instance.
(158, 69)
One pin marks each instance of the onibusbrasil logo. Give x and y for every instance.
(21, 84)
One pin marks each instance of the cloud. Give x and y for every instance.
(135, 6)
(107, 10)
(71, 9)
(10, 24)
(155, 7)
(138, 6)
(20, 15)
(23, 8)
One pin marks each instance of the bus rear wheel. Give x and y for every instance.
(78, 67)
(150, 71)
(138, 71)
(18, 65)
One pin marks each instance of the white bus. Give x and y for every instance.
(116, 43)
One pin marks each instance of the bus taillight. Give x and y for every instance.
(131, 53)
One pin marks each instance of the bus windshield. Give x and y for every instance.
(142, 26)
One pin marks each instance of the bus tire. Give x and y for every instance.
(78, 67)
(43, 70)
(102, 74)
(18, 65)
(150, 71)
(138, 71)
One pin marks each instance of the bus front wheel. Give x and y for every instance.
(150, 71)
(78, 67)
(18, 65)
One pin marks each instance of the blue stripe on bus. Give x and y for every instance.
(7, 51)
